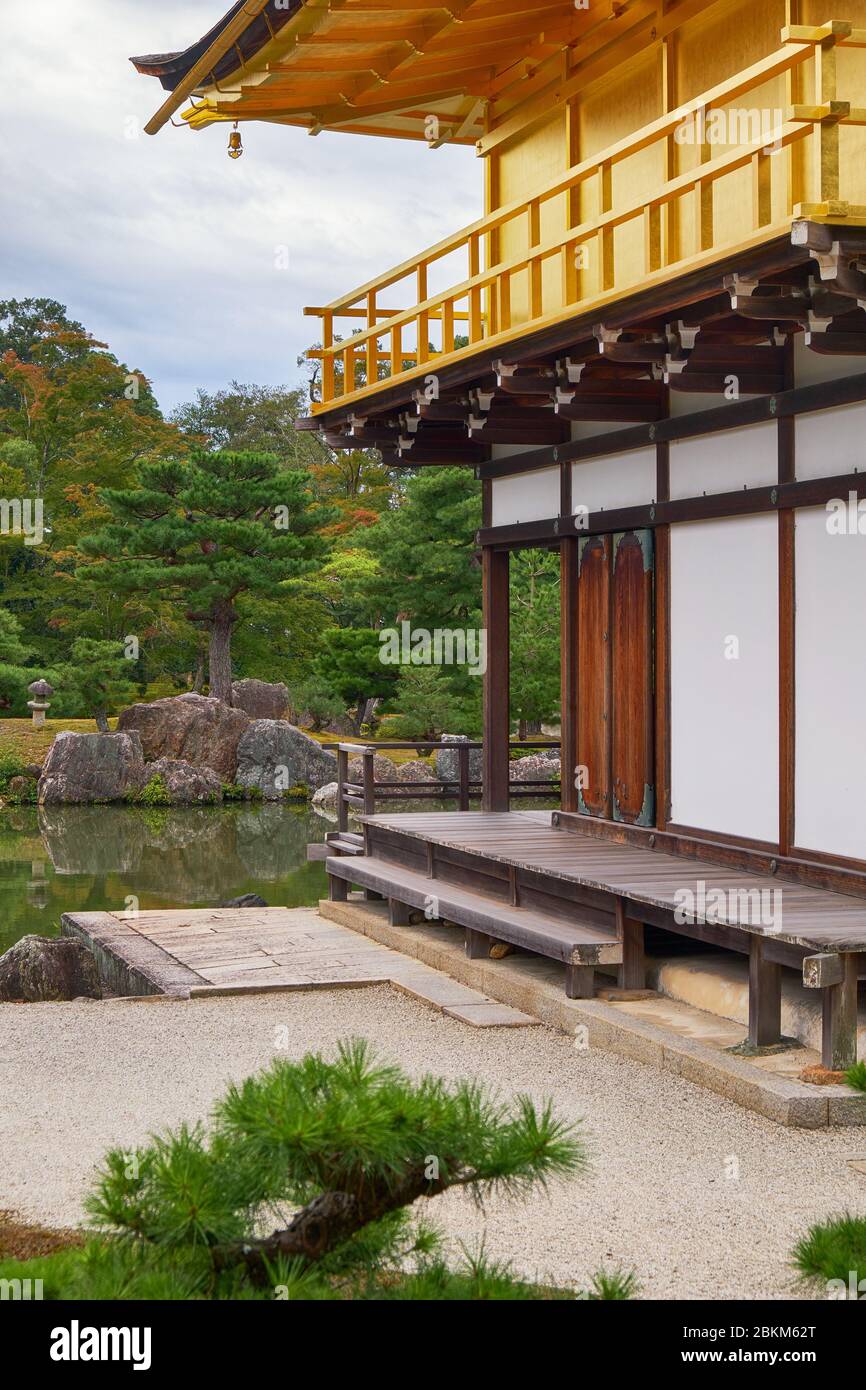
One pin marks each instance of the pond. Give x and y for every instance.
(56, 859)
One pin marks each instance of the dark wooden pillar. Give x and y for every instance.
(839, 1040)
(497, 724)
(568, 633)
(765, 996)
(632, 972)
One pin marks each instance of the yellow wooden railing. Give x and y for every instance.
(354, 363)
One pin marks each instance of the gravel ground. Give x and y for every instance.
(76, 1078)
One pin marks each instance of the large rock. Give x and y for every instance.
(190, 728)
(48, 968)
(275, 756)
(186, 785)
(261, 700)
(384, 769)
(536, 767)
(91, 767)
(447, 761)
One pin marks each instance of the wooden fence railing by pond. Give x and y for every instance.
(362, 796)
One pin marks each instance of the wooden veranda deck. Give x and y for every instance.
(516, 877)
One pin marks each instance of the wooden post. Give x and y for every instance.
(632, 972)
(765, 996)
(497, 724)
(398, 913)
(568, 672)
(478, 944)
(839, 1023)
(342, 779)
(338, 889)
(463, 776)
(369, 783)
(579, 982)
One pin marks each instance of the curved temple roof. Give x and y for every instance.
(383, 67)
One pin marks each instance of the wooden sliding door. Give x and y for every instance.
(615, 734)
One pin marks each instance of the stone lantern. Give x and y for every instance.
(41, 692)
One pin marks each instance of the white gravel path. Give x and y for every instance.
(75, 1078)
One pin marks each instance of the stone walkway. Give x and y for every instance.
(198, 952)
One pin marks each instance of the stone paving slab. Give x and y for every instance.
(200, 953)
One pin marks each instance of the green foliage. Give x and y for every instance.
(354, 1136)
(312, 697)
(535, 673)
(101, 675)
(350, 666)
(613, 1286)
(833, 1250)
(11, 765)
(153, 793)
(856, 1076)
(426, 703)
(206, 531)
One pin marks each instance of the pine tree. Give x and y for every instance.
(206, 531)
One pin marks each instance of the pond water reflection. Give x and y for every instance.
(56, 859)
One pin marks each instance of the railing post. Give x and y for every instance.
(397, 350)
(369, 782)
(372, 343)
(327, 358)
(423, 326)
(463, 776)
(342, 779)
(475, 324)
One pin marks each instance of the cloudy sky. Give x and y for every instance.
(162, 246)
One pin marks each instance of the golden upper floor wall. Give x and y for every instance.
(603, 95)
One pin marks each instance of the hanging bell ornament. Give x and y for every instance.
(236, 147)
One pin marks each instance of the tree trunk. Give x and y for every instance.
(220, 655)
(101, 718)
(521, 729)
(360, 714)
(198, 680)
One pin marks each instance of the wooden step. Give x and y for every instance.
(580, 945)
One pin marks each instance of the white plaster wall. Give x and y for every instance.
(831, 441)
(811, 367)
(830, 778)
(724, 713)
(526, 497)
(725, 462)
(619, 480)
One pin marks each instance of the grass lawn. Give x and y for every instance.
(31, 745)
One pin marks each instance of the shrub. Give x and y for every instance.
(833, 1251)
(856, 1076)
(153, 793)
(350, 1146)
(11, 765)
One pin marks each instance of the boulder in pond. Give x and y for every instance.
(245, 900)
(261, 699)
(536, 767)
(190, 728)
(48, 968)
(186, 785)
(275, 757)
(91, 767)
(326, 795)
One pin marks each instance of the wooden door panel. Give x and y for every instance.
(632, 716)
(594, 675)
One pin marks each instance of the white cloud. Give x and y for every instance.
(162, 246)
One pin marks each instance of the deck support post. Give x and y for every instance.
(338, 889)
(497, 723)
(839, 1018)
(371, 896)
(478, 944)
(398, 913)
(579, 982)
(632, 972)
(765, 996)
